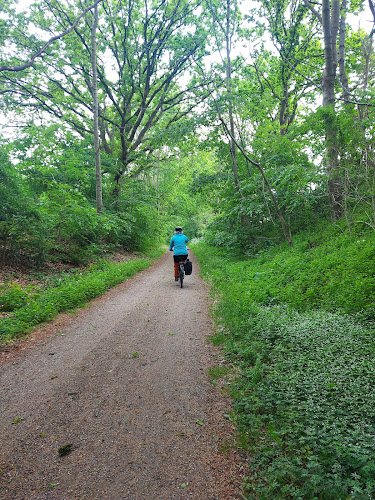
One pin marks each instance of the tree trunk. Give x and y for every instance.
(330, 22)
(232, 145)
(285, 228)
(342, 37)
(95, 105)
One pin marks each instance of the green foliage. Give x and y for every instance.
(329, 268)
(303, 399)
(12, 297)
(136, 216)
(74, 292)
(46, 212)
(306, 398)
(20, 228)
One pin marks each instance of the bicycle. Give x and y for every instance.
(184, 268)
(181, 272)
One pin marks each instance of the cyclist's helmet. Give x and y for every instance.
(178, 229)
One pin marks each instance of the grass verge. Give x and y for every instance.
(303, 400)
(74, 292)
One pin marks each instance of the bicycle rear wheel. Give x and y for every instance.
(181, 275)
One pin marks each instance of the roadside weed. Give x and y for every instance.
(81, 288)
(218, 371)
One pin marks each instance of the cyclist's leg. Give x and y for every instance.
(176, 267)
(177, 259)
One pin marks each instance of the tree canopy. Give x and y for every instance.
(246, 123)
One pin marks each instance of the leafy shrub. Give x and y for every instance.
(12, 297)
(21, 231)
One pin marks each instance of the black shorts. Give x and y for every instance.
(178, 258)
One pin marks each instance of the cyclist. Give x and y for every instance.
(178, 245)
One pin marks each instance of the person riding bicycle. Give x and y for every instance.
(178, 245)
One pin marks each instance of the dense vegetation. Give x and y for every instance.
(302, 369)
(30, 307)
(250, 125)
(192, 128)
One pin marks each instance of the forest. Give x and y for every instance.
(250, 124)
(245, 123)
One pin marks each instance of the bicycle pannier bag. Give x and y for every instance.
(188, 266)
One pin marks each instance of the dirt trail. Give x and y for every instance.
(125, 383)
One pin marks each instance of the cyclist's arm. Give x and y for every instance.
(171, 245)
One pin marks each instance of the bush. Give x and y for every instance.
(303, 398)
(21, 231)
(12, 297)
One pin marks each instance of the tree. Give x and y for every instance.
(95, 105)
(227, 23)
(143, 49)
(289, 75)
(333, 28)
(372, 8)
(20, 229)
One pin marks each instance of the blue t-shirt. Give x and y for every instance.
(178, 244)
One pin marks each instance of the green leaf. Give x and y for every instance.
(17, 420)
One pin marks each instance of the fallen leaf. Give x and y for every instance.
(17, 419)
(65, 450)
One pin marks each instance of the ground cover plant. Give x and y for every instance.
(79, 288)
(327, 268)
(303, 398)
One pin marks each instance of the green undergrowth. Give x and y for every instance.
(329, 269)
(303, 394)
(73, 292)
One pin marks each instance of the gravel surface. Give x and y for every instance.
(122, 388)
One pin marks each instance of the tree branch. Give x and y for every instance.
(313, 10)
(47, 44)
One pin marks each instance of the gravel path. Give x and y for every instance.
(124, 384)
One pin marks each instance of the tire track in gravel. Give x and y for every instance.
(125, 383)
